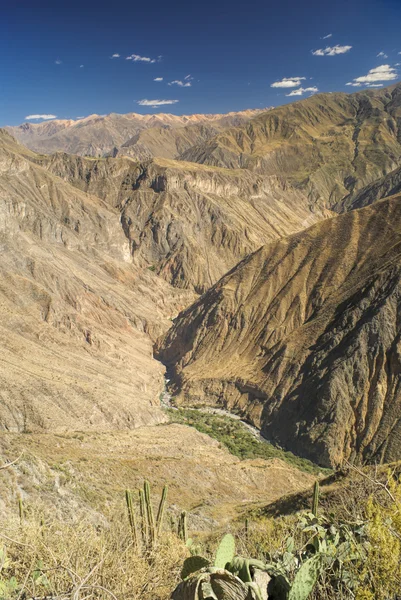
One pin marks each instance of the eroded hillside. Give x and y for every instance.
(190, 223)
(329, 145)
(77, 317)
(303, 338)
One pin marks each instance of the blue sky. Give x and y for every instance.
(231, 53)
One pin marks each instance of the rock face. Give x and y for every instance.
(190, 223)
(303, 336)
(76, 316)
(329, 145)
(139, 136)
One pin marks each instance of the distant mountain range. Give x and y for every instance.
(132, 134)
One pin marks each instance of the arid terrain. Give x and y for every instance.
(252, 254)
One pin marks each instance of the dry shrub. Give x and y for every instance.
(82, 561)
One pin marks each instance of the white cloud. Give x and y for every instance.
(382, 73)
(180, 83)
(288, 82)
(326, 37)
(375, 85)
(156, 103)
(354, 84)
(331, 50)
(81, 66)
(58, 62)
(382, 55)
(300, 91)
(44, 117)
(158, 79)
(138, 58)
(188, 77)
(397, 65)
(115, 56)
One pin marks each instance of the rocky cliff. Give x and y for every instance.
(76, 316)
(190, 223)
(303, 337)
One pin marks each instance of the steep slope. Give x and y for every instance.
(329, 145)
(389, 185)
(99, 135)
(188, 222)
(303, 337)
(75, 316)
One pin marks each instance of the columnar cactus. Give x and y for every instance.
(131, 516)
(315, 500)
(149, 512)
(160, 512)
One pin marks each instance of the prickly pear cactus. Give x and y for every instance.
(305, 579)
(192, 565)
(225, 551)
(214, 584)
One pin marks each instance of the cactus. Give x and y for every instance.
(193, 564)
(131, 516)
(315, 501)
(160, 512)
(182, 526)
(306, 578)
(20, 510)
(149, 513)
(225, 551)
(144, 519)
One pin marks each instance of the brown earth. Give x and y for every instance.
(86, 473)
(191, 223)
(77, 318)
(303, 338)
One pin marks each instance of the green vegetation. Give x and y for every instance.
(238, 439)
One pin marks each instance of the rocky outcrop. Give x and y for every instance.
(76, 317)
(389, 185)
(188, 222)
(126, 134)
(329, 145)
(303, 337)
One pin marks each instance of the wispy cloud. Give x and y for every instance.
(115, 55)
(158, 79)
(138, 58)
(58, 62)
(382, 55)
(382, 73)
(188, 77)
(326, 37)
(180, 83)
(375, 85)
(331, 50)
(288, 82)
(44, 117)
(156, 103)
(301, 91)
(81, 66)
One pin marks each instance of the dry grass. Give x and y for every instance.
(83, 561)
